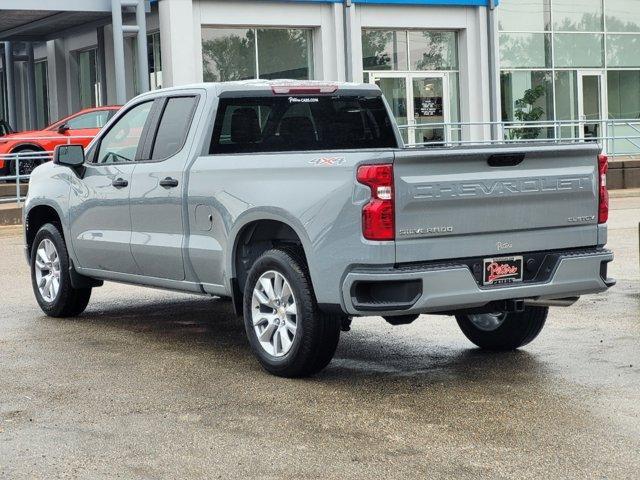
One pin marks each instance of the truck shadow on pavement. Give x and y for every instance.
(210, 327)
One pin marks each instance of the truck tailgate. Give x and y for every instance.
(490, 200)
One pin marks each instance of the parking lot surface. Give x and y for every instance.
(151, 384)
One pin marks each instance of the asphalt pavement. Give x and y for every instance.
(151, 384)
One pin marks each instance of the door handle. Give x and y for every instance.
(119, 183)
(169, 182)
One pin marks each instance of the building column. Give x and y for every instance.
(494, 71)
(176, 27)
(118, 52)
(141, 43)
(11, 87)
(32, 120)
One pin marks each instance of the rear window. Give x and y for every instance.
(288, 123)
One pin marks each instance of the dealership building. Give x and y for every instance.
(451, 70)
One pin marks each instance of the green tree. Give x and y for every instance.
(527, 111)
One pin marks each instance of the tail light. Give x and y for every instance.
(603, 204)
(378, 222)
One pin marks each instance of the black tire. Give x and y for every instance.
(26, 166)
(515, 331)
(317, 333)
(69, 301)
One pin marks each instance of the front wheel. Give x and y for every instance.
(503, 330)
(50, 275)
(288, 333)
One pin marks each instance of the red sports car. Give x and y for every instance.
(79, 128)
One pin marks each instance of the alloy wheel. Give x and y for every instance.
(274, 313)
(47, 270)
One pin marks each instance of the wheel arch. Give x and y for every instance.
(27, 146)
(35, 218)
(254, 234)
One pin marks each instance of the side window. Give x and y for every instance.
(173, 128)
(90, 120)
(121, 141)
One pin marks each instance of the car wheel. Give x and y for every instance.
(288, 333)
(503, 330)
(26, 165)
(50, 275)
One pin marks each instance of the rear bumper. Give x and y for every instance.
(451, 286)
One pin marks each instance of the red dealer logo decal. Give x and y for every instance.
(500, 270)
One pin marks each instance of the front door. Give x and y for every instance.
(419, 102)
(99, 214)
(591, 103)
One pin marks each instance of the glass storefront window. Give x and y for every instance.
(622, 15)
(432, 50)
(529, 16)
(246, 53)
(88, 81)
(285, 53)
(525, 50)
(578, 50)
(527, 96)
(42, 94)
(582, 16)
(228, 54)
(622, 50)
(154, 55)
(623, 88)
(384, 50)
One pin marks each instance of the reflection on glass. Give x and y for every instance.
(578, 49)
(525, 50)
(623, 15)
(622, 50)
(42, 94)
(527, 97)
(88, 78)
(591, 106)
(567, 102)
(582, 16)
(228, 54)
(284, 53)
(428, 107)
(529, 16)
(432, 50)
(623, 88)
(395, 92)
(384, 50)
(454, 106)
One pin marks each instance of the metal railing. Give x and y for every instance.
(616, 137)
(17, 164)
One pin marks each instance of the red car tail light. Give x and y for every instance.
(378, 216)
(603, 204)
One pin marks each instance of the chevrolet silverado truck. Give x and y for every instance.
(300, 203)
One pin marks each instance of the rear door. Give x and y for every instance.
(156, 190)
(491, 200)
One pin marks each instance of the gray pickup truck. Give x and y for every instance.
(299, 202)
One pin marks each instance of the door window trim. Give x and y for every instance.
(151, 134)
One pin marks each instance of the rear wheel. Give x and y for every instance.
(288, 333)
(503, 330)
(50, 275)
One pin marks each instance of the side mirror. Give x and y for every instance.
(69, 155)
(64, 128)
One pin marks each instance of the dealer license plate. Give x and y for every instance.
(502, 270)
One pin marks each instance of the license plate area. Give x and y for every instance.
(502, 270)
